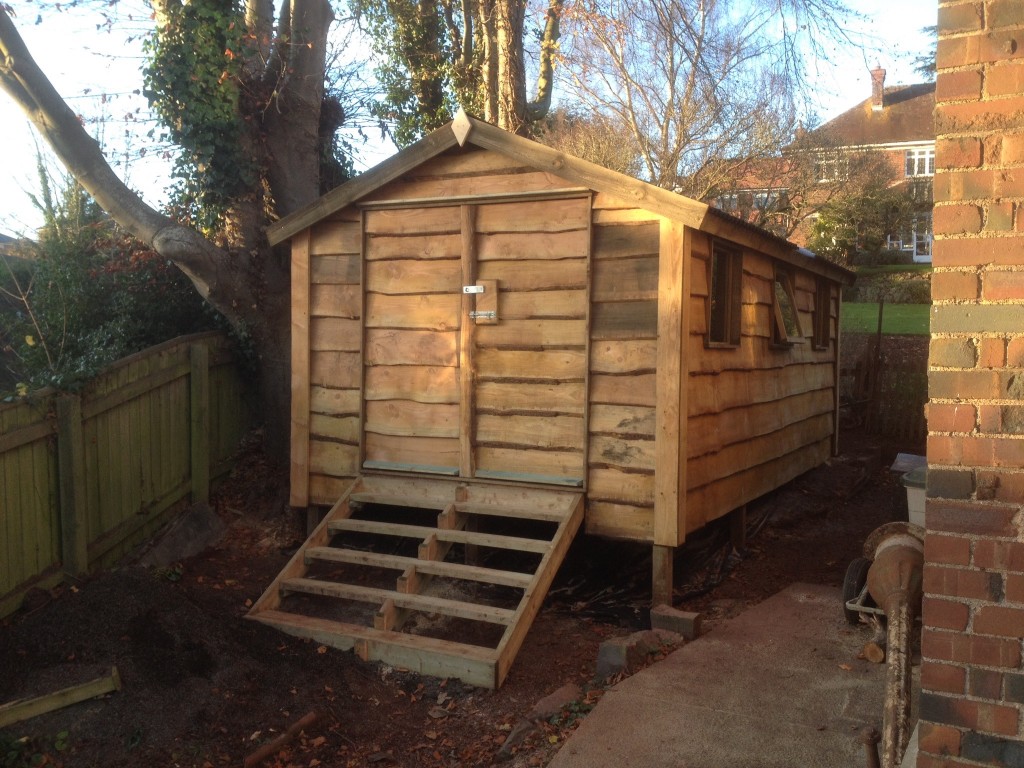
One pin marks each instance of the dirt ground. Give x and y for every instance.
(204, 687)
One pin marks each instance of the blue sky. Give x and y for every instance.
(98, 71)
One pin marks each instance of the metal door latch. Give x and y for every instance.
(472, 289)
(483, 315)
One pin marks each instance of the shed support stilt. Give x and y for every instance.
(661, 575)
(738, 528)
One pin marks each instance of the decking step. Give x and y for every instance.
(414, 602)
(517, 543)
(429, 567)
(429, 656)
(461, 502)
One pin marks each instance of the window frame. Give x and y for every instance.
(781, 335)
(919, 162)
(724, 332)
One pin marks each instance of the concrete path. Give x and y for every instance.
(779, 686)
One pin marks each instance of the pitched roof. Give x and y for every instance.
(906, 115)
(468, 130)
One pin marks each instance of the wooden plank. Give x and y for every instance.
(430, 567)
(759, 450)
(530, 605)
(439, 312)
(334, 402)
(332, 458)
(557, 432)
(615, 485)
(303, 372)
(74, 521)
(731, 389)
(25, 435)
(512, 513)
(334, 334)
(419, 383)
(629, 453)
(468, 186)
(334, 237)
(712, 432)
(326, 490)
(634, 279)
(638, 389)
(426, 656)
(387, 346)
(624, 356)
(628, 216)
(413, 221)
(543, 464)
(623, 240)
(624, 320)
(620, 521)
(549, 216)
(494, 541)
(339, 269)
(532, 365)
(412, 276)
(337, 370)
(423, 603)
(530, 245)
(467, 344)
(342, 428)
(417, 246)
(411, 419)
(335, 301)
(421, 451)
(532, 333)
(623, 420)
(670, 431)
(662, 578)
(711, 501)
(554, 304)
(522, 275)
(16, 711)
(531, 397)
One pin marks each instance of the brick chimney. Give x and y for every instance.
(877, 89)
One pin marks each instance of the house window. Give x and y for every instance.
(822, 314)
(921, 162)
(766, 201)
(923, 237)
(785, 318)
(730, 202)
(725, 271)
(830, 168)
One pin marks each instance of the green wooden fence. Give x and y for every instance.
(86, 477)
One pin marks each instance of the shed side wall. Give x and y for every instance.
(760, 413)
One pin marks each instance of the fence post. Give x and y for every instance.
(199, 408)
(74, 525)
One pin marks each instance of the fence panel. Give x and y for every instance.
(87, 477)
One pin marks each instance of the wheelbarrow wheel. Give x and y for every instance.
(856, 578)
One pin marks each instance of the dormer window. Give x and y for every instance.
(921, 162)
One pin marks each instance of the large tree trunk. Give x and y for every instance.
(243, 278)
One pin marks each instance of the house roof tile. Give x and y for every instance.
(906, 116)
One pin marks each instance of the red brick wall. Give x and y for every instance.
(972, 677)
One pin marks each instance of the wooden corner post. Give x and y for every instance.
(300, 373)
(670, 408)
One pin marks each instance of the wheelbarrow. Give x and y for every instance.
(887, 581)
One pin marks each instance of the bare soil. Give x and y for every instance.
(204, 687)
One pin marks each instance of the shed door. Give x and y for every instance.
(452, 388)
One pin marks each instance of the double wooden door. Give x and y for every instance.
(475, 357)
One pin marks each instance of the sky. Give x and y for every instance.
(98, 73)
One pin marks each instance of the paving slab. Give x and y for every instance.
(778, 686)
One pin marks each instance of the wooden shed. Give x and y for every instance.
(525, 343)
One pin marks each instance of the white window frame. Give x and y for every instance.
(920, 161)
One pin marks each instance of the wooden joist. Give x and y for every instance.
(429, 567)
(517, 543)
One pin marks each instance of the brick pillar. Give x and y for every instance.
(972, 678)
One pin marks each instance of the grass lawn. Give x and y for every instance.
(897, 318)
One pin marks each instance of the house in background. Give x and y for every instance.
(893, 127)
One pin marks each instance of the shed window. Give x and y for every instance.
(785, 318)
(822, 314)
(725, 271)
